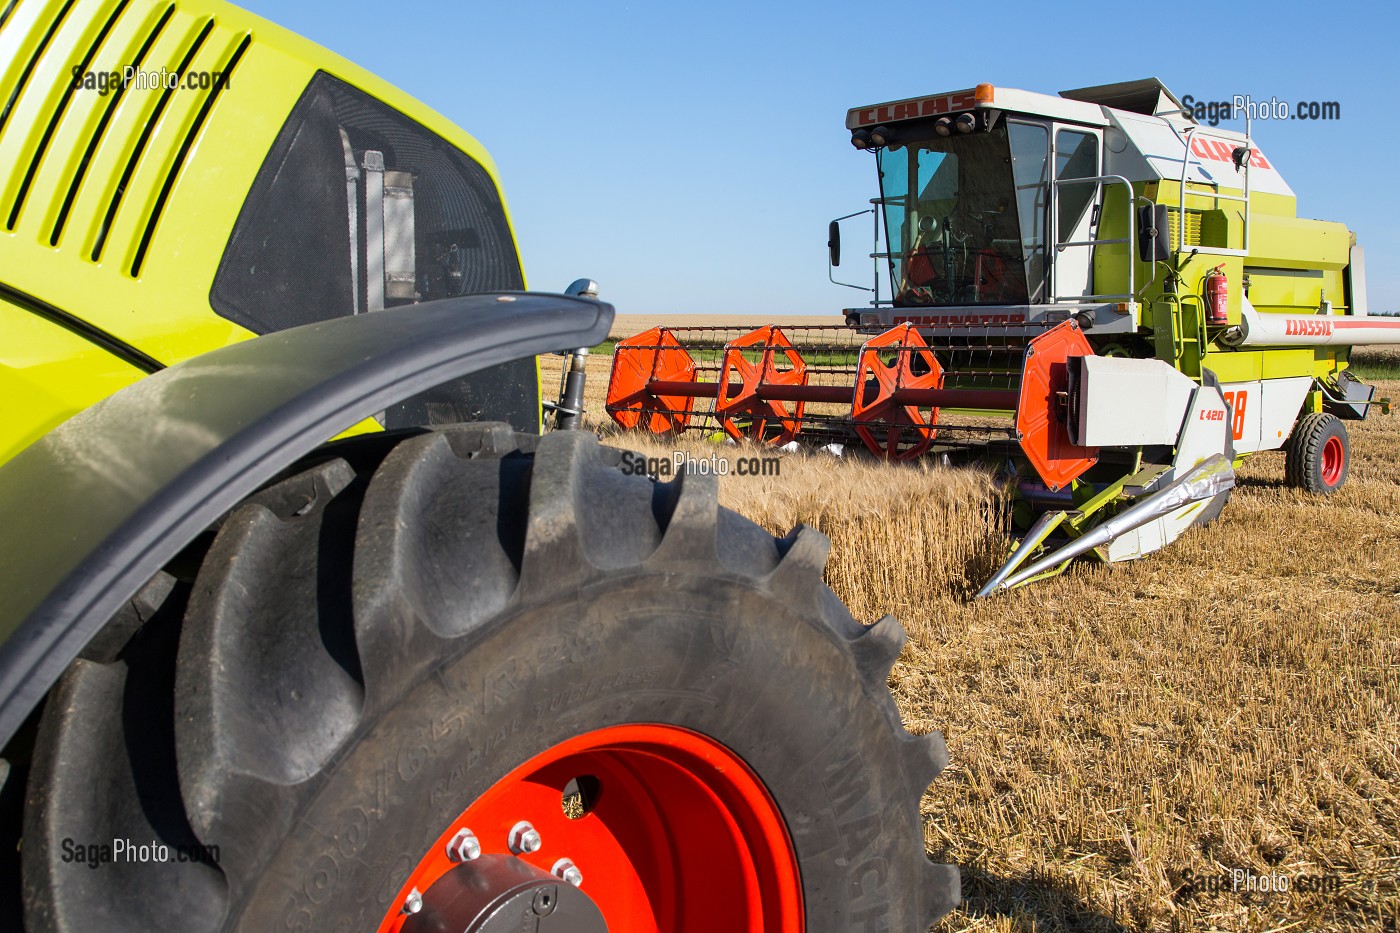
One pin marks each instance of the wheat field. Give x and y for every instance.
(1124, 739)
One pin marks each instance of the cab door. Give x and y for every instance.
(1074, 217)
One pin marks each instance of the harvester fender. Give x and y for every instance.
(1205, 435)
(1205, 431)
(97, 506)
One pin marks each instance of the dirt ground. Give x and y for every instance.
(1146, 746)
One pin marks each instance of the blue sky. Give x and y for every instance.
(689, 155)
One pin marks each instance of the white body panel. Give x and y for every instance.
(1127, 402)
(1262, 413)
(1244, 401)
(1154, 148)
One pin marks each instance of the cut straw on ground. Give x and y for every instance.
(1125, 738)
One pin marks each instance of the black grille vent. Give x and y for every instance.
(49, 29)
(122, 33)
(83, 66)
(138, 60)
(153, 221)
(140, 150)
(5, 14)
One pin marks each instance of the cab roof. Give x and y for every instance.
(1146, 96)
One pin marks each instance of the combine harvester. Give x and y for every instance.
(1110, 299)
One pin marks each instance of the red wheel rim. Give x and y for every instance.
(1334, 458)
(680, 836)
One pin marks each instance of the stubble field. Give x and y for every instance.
(1129, 742)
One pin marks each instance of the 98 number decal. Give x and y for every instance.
(1236, 402)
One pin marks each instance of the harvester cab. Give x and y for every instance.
(1033, 203)
(1093, 288)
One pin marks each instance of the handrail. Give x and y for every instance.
(1186, 159)
(1132, 224)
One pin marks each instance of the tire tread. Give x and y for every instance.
(285, 661)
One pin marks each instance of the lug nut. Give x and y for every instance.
(413, 903)
(524, 839)
(464, 846)
(566, 870)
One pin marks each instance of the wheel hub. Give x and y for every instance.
(1332, 460)
(502, 894)
(664, 829)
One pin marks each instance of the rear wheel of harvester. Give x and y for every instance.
(600, 679)
(1317, 456)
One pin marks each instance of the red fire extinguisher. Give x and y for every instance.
(1217, 296)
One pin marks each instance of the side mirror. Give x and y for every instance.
(1153, 240)
(582, 288)
(833, 242)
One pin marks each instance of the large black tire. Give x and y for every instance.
(366, 646)
(1317, 455)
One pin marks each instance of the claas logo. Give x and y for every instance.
(1296, 328)
(912, 109)
(1217, 150)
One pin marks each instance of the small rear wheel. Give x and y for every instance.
(1318, 454)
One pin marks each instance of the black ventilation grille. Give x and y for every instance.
(117, 34)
